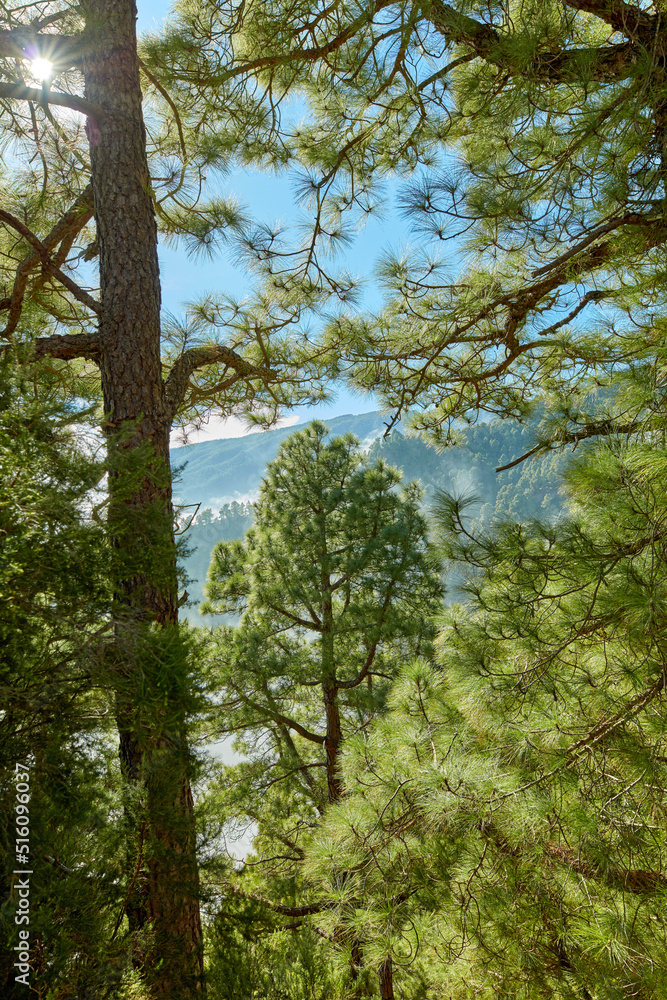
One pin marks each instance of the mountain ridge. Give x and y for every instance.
(224, 511)
(206, 471)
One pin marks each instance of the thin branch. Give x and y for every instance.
(604, 64)
(48, 265)
(594, 295)
(177, 118)
(434, 77)
(542, 446)
(313, 626)
(630, 219)
(306, 54)
(628, 20)
(288, 774)
(356, 681)
(286, 911)
(285, 721)
(574, 437)
(71, 223)
(607, 726)
(635, 880)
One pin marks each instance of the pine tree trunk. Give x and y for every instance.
(332, 747)
(333, 739)
(386, 979)
(163, 906)
(334, 735)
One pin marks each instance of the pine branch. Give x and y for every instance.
(311, 54)
(299, 769)
(304, 770)
(284, 721)
(598, 429)
(635, 880)
(24, 43)
(629, 21)
(172, 104)
(603, 64)
(629, 219)
(193, 358)
(48, 265)
(606, 726)
(356, 681)
(520, 304)
(315, 626)
(638, 881)
(63, 348)
(67, 347)
(19, 92)
(286, 911)
(64, 231)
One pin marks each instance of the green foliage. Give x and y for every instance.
(503, 824)
(54, 605)
(251, 956)
(529, 138)
(508, 813)
(504, 828)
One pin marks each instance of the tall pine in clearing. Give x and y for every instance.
(336, 583)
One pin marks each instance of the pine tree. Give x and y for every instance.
(335, 583)
(530, 136)
(84, 182)
(503, 828)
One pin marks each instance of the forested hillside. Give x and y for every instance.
(530, 489)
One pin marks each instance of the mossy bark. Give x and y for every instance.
(162, 903)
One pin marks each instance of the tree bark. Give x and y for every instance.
(386, 979)
(333, 739)
(162, 906)
(334, 735)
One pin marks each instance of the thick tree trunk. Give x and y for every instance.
(163, 907)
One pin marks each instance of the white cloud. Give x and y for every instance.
(217, 429)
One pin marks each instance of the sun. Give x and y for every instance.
(41, 69)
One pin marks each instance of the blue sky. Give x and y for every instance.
(269, 198)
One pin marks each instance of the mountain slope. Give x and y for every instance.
(217, 472)
(225, 475)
